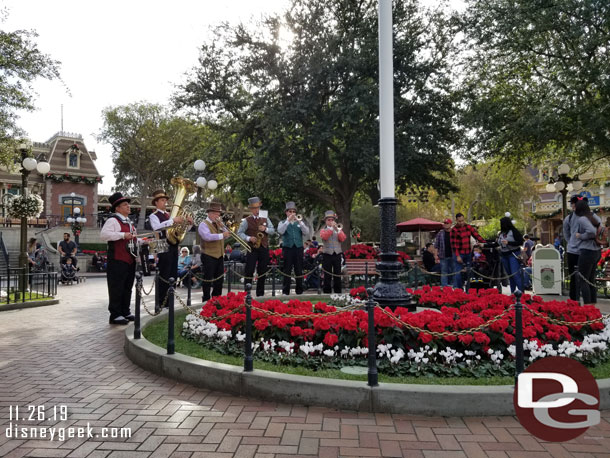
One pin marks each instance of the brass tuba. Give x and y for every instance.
(184, 188)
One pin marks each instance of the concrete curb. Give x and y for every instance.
(436, 400)
(27, 305)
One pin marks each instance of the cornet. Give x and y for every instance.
(299, 217)
(339, 226)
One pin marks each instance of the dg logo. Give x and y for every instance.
(557, 399)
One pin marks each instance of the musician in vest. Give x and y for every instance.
(168, 261)
(292, 232)
(256, 230)
(119, 232)
(212, 247)
(331, 252)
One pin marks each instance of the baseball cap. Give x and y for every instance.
(447, 221)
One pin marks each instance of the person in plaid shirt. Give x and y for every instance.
(460, 244)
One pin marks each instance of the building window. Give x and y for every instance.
(69, 203)
(73, 157)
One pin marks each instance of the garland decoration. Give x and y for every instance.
(61, 177)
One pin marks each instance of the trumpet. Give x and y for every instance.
(299, 217)
(339, 226)
(237, 238)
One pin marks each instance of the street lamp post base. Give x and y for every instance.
(389, 291)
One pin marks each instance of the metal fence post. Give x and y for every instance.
(272, 279)
(189, 280)
(319, 268)
(136, 322)
(576, 279)
(248, 360)
(170, 320)
(372, 370)
(366, 274)
(157, 304)
(229, 276)
(518, 335)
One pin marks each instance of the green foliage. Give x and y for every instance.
(300, 120)
(493, 188)
(492, 227)
(21, 62)
(536, 81)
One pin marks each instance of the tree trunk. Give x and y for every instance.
(143, 204)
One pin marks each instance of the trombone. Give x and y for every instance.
(237, 238)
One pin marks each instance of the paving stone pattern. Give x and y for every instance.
(67, 354)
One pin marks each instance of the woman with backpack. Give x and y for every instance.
(510, 241)
(589, 250)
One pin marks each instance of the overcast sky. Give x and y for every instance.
(115, 53)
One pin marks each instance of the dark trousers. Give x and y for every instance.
(168, 268)
(587, 263)
(259, 258)
(293, 257)
(573, 262)
(212, 268)
(332, 263)
(120, 276)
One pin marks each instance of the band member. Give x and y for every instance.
(292, 232)
(119, 232)
(256, 231)
(331, 252)
(212, 245)
(168, 261)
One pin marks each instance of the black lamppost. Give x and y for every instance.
(388, 291)
(201, 183)
(28, 164)
(563, 184)
(76, 221)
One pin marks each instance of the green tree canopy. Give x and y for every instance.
(150, 146)
(303, 114)
(21, 62)
(537, 79)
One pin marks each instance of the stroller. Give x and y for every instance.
(68, 273)
(312, 281)
(487, 268)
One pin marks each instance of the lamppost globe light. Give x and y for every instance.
(201, 182)
(43, 167)
(72, 194)
(70, 219)
(199, 165)
(563, 169)
(577, 185)
(212, 184)
(570, 187)
(77, 210)
(29, 163)
(84, 219)
(550, 187)
(559, 186)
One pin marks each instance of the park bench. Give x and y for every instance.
(366, 267)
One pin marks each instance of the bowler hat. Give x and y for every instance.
(254, 202)
(330, 214)
(116, 199)
(158, 194)
(215, 207)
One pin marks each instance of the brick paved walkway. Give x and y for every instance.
(68, 355)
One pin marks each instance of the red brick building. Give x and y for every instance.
(73, 171)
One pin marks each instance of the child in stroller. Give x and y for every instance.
(68, 272)
(310, 264)
(480, 268)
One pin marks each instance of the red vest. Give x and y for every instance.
(253, 229)
(118, 249)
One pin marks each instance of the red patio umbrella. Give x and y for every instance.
(418, 225)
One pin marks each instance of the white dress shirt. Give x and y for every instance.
(158, 225)
(206, 234)
(111, 231)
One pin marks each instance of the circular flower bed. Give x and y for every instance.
(325, 336)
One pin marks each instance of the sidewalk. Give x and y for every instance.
(68, 355)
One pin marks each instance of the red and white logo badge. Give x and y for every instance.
(557, 399)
